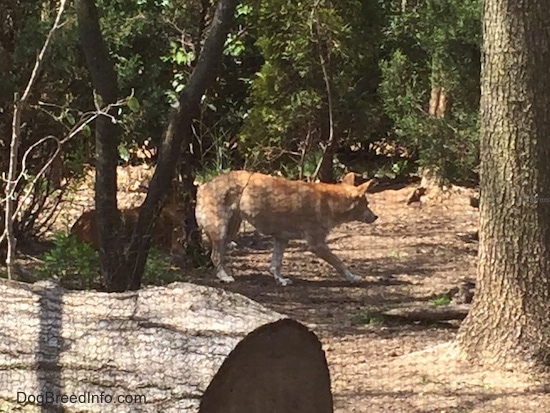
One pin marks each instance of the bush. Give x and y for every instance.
(446, 146)
(75, 265)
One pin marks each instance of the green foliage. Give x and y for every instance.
(215, 158)
(74, 264)
(435, 45)
(289, 96)
(133, 104)
(440, 300)
(158, 270)
(140, 38)
(75, 159)
(366, 317)
(268, 108)
(399, 168)
(58, 99)
(199, 256)
(382, 59)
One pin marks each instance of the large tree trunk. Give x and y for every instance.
(181, 348)
(509, 321)
(113, 267)
(178, 134)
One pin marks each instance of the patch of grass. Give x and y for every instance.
(397, 254)
(158, 269)
(425, 379)
(199, 257)
(441, 252)
(364, 317)
(209, 173)
(440, 300)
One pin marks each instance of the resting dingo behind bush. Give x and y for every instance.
(282, 209)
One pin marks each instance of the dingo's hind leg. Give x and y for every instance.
(279, 246)
(217, 224)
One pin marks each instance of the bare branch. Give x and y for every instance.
(19, 105)
(316, 37)
(40, 58)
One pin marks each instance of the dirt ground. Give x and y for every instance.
(411, 254)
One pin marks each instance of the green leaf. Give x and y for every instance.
(123, 152)
(70, 118)
(180, 57)
(86, 131)
(133, 104)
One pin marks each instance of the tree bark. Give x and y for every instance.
(104, 80)
(438, 102)
(326, 167)
(192, 241)
(178, 135)
(177, 346)
(509, 321)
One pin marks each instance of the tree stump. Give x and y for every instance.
(181, 348)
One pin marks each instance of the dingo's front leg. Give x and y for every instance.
(322, 250)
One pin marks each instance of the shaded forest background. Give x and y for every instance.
(307, 89)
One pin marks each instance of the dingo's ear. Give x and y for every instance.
(363, 188)
(349, 179)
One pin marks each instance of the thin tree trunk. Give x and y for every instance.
(324, 169)
(178, 133)
(439, 102)
(20, 104)
(10, 186)
(509, 321)
(434, 101)
(186, 169)
(104, 80)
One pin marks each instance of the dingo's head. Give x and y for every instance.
(360, 210)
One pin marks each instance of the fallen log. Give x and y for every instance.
(426, 313)
(163, 349)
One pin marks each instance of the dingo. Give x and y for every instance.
(282, 209)
(166, 235)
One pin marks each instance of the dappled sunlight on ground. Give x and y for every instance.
(411, 254)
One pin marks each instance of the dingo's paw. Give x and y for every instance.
(352, 278)
(284, 281)
(225, 277)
